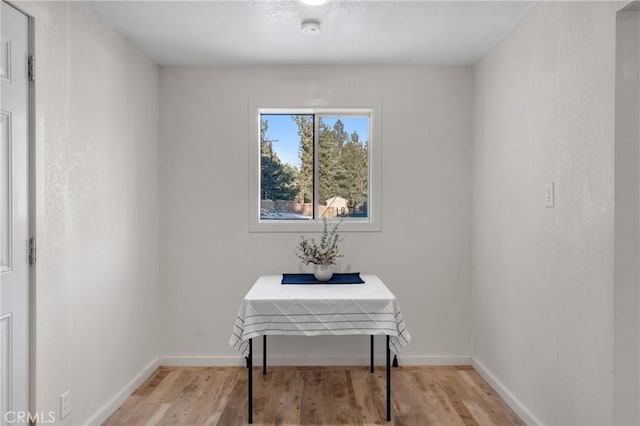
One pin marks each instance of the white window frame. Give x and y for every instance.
(341, 106)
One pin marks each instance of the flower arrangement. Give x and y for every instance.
(324, 253)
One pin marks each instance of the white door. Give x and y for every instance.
(14, 217)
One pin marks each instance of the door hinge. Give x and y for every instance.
(32, 251)
(32, 68)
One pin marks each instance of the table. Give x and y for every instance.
(270, 308)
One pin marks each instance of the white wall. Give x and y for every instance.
(97, 210)
(209, 259)
(542, 290)
(627, 216)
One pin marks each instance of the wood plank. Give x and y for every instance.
(369, 395)
(181, 407)
(314, 396)
(291, 396)
(336, 406)
(484, 398)
(311, 408)
(234, 411)
(153, 382)
(429, 383)
(417, 410)
(454, 397)
(156, 399)
(215, 394)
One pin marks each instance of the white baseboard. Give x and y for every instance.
(434, 360)
(202, 361)
(306, 360)
(504, 393)
(112, 405)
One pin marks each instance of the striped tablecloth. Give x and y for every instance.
(270, 308)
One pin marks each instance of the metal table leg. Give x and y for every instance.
(388, 381)
(264, 354)
(250, 365)
(372, 353)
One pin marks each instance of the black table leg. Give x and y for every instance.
(388, 381)
(264, 354)
(250, 365)
(372, 353)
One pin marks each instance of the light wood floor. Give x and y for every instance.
(314, 396)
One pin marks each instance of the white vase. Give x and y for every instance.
(323, 272)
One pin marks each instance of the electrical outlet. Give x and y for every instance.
(65, 404)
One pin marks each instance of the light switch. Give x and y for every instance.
(549, 195)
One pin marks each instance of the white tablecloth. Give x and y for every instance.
(271, 308)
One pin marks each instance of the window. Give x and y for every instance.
(314, 163)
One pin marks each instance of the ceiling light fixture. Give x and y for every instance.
(314, 2)
(310, 27)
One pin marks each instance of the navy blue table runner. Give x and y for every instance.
(346, 278)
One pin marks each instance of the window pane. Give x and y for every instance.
(343, 167)
(286, 167)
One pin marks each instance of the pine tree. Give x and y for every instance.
(328, 159)
(304, 181)
(339, 134)
(354, 180)
(277, 180)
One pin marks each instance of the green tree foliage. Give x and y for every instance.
(343, 165)
(328, 157)
(353, 181)
(277, 180)
(304, 179)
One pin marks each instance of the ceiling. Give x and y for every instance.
(267, 32)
